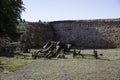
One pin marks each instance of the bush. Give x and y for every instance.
(20, 27)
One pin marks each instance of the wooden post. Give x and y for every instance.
(95, 54)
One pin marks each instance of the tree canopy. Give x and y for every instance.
(10, 14)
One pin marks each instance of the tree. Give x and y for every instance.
(10, 11)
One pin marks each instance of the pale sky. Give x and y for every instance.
(52, 10)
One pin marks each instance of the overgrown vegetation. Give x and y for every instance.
(20, 27)
(10, 11)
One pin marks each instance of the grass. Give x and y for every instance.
(13, 64)
(117, 49)
(20, 55)
(80, 57)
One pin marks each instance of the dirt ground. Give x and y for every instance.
(106, 68)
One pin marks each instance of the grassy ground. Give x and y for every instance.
(13, 64)
(89, 68)
(67, 69)
(118, 49)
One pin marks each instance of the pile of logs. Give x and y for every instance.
(52, 49)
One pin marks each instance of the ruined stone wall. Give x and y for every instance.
(36, 35)
(104, 33)
(88, 33)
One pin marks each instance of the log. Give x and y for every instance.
(95, 54)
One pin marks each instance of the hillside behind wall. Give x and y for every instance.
(104, 33)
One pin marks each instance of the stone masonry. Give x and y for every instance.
(100, 33)
(36, 35)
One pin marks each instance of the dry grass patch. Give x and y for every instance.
(13, 64)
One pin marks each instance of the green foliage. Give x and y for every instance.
(43, 22)
(117, 49)
(62, 51)
(21, 27)
(18, 53)
(10, 11)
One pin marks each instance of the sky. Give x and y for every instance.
(54, 10)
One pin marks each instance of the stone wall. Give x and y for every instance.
(88, 33)
(36, 35)
(104, 33)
